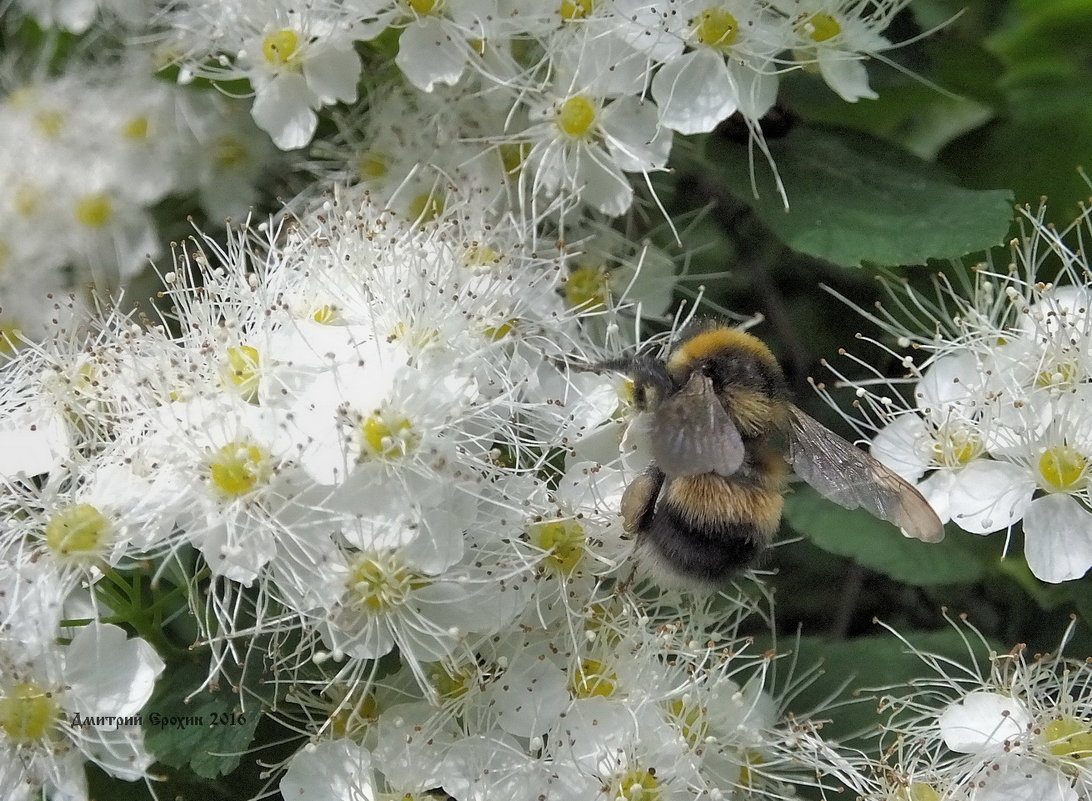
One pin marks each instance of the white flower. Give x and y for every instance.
(837, 36)
(586, 144)
(727, 66)
(63, 705)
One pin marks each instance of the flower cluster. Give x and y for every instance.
(1019, 729)
(88, 156)
(1000, 430)
(357, 438)
(566, 97)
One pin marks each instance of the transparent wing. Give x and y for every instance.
(691, 433)
(851, 478)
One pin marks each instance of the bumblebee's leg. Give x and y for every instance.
(637, 508)
(639, 500)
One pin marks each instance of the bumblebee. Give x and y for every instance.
(723, 434)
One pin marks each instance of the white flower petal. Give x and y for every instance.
(989, 496)
(336, 769)
(108, 673)
(282, 108)
(694, 92)
(332, 73)
(32, 442)
(427, 55)
(846, 75)
(905, 446)
(1058, 538)
(634, 136)
(983, 721)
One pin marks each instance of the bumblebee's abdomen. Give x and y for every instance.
(706, 528)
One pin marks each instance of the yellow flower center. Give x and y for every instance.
(512, 155)
(10, 334)
(819, 27)
(78, 529)
(955, 445)
(94, 211)
(1059, 375)
(592, 678)
(587, 288)
(136, 128)
(637, 785)
(27, 199)
(920, 791)
(354, 717)
(1063, 469)
(576, 117)
(242, 370)
(279, 46)
(563, 541)
(452, 683)
(229, 152)
(27, 713)
(425, 208)
(716, 28)
(381, 583)
(1069, 737)
(575, 9)
(690, 720)
(387, 438)
(498, 332)
(49, 122)
(237, 468)
(372, 165)
(326, 314)
(425, 6)
(414, 337)
(751, 760)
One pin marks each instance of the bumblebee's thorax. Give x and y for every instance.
(745, 376)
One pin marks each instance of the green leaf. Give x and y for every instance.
(855, 200)
(209, 734)
(878, 545)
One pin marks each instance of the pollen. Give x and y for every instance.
(381, 583)
(80, 529)
(564, 542)
(576, 117)
(238, 467)
(716, 28)
(242, 371)
(819, 27)
(592, 678)
(280, 46)
(1062, 469)
(94, 211)
(27, 713)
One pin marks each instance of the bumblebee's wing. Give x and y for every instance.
(691, 433)
(851, 478)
